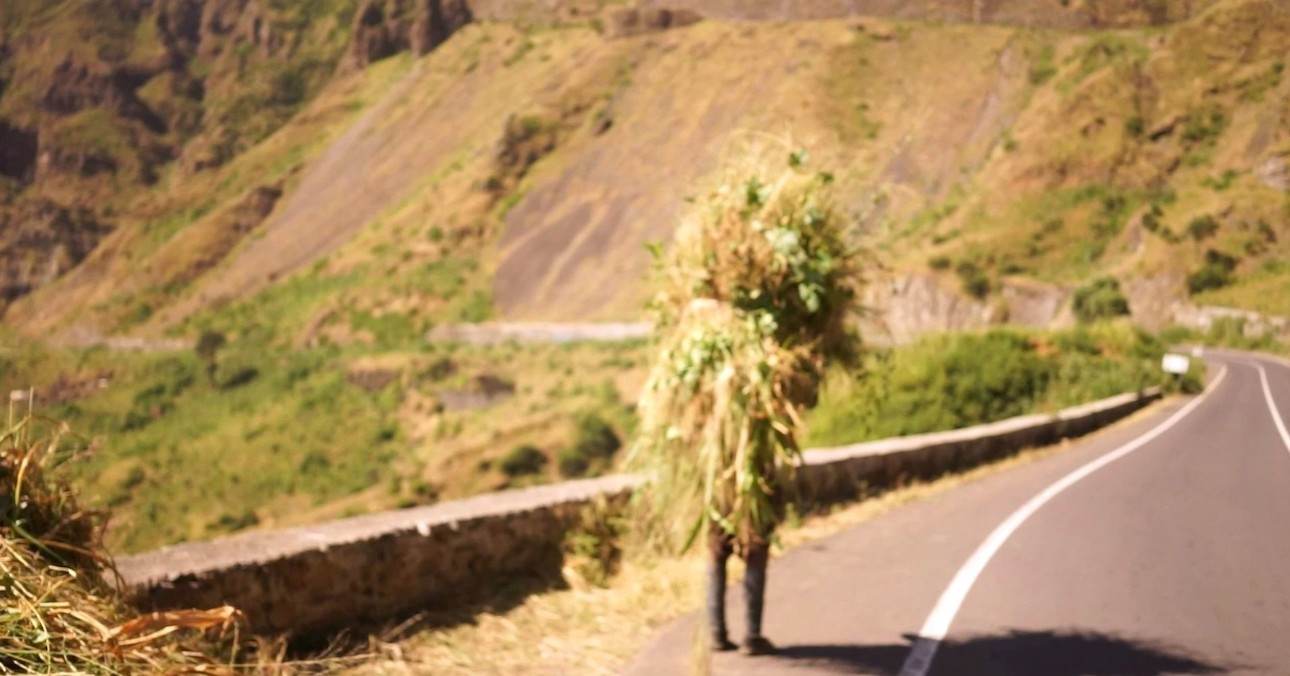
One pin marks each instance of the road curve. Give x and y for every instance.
(1170, 557)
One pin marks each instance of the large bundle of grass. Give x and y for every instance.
(756, 294)
(59, 613)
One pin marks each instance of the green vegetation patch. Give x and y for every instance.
(958, 380)
(1100, 299)
(180, 457)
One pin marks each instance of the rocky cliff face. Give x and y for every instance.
(386, 27)
(18, 148)
(40, 241)
(566, 147)
(97, 97)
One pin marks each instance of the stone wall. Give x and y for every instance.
(368, 569)
(1253, 325)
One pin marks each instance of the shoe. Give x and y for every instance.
(758, 645)
(722, 644)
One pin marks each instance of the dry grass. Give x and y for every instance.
(63, 612)
(755, 296)
(587, 631)
(60, 613)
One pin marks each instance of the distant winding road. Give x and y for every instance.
(1159, 546)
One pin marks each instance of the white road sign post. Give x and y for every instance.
(1177, 364)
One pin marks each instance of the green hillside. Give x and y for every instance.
(322, 183)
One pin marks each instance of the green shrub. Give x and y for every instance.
(947, 382)
(231, 522)
(1135, 126)
(975, 282)
(523, 460)
(1151, 219)
(939, 262)
(1100, 299)
(1044, 67)
(237, 377)
(957, 380)
(1204, 125)
(572, 463)
(595, 437)
(1214, 274)
(1202, 227)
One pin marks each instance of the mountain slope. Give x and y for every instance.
(518, 167)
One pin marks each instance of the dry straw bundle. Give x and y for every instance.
(756, 295)
(57, 613)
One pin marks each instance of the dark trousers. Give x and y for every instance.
(720, 546)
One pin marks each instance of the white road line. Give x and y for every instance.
(938, 622)
(1272, 406)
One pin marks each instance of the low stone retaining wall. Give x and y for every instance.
(1252, 324)
(368, 569)
(844, 473)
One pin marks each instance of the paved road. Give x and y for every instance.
(1171, 557)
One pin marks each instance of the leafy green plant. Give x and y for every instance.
(1099, 299)
(572, 463)
(595, 438)
(1215, 273)
(1044, 67)
(593, 547)
(975, 281)
(209, 343)
(1204, 124)
(1202, 227)
(522, 461)
(1135, 126)
(956, 380)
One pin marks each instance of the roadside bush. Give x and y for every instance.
(523, 460)
(593, 548)
(1100, 299)
(952, 382)
(957, 380)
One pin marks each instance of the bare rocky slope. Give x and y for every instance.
(325, 168)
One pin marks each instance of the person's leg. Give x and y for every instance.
(757, 558)
(719, 546)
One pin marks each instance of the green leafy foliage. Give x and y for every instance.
(572, 463)
(1204, 125)
(595, 437)
(594, 444)
(1202, 227)
(1044, 67)
(523, 460)
(958, 380)
(976, 282)
(239, 443)
(1100, 299)
(1215, 273)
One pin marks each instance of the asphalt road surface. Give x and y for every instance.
(1158, 546)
